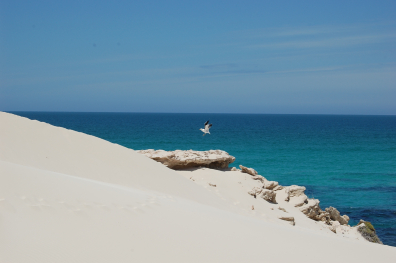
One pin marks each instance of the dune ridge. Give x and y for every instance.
(70, 197)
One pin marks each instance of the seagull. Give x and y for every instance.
(207, 127)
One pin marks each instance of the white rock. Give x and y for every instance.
(295, 195)
(295, 190)
(255, 191)
(250, 171)
(335, 215)
(334, 226)
(270, 185)
(278, 187)
(186, 159)
(268, 195)
(313, 211)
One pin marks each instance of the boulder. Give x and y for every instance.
(335, 216)
(367, 230)
(179, 159)
(268, 195)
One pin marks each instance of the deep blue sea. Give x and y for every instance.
(348, 162)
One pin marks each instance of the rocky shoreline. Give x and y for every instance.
(269, 191)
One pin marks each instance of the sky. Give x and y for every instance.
(271, 57)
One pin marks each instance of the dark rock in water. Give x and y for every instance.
(367, 230)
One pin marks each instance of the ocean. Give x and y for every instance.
(348, 162)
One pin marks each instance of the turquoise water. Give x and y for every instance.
(348, 162)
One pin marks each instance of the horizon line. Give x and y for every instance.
(235, 113)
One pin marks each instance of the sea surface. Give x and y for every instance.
(348, 162)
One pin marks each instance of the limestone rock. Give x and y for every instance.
(288, 218)
(346, 218)
(278, 187)
(186, 159)
(250, 171)
(255, 191)
(295, 195)
(258, 178)
(213, 185)
(270, 185)
(335, 225)
(295, 190)
(313, 211)
(268, 195)
(335, 216)
(300, 201)
(234, 169)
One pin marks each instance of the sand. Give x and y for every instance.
(70, 197)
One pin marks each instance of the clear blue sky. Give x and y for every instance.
(322, 57)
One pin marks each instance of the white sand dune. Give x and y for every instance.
(70, 197)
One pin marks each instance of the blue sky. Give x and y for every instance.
(294, 57)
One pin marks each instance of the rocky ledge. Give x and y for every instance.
(295, 195)
(265, 189)
(179, 159)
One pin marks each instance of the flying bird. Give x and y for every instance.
(207, 127)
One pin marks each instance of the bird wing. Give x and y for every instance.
(207, 126)
(206, 123)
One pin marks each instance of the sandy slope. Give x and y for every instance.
(69, 197)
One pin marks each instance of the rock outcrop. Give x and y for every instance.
(311, 208)
(250, 171)
(270, 185)
(179, 159)
(279, 187)
(296, 195)
(268, 195)
(255, 191)
(313, 211)
(253, 173)
(264, 189)
(335, 216)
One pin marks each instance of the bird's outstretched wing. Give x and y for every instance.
(207, 127)
(206, 123)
